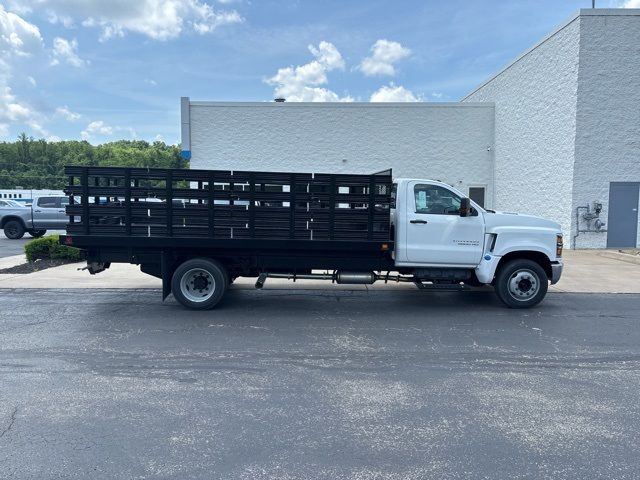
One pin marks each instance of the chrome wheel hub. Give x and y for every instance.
(524, 284)
(197, 285)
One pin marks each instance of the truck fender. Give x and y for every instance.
(8, 218)
(486, 270)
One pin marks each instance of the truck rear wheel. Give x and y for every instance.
(14, 229)
(521, 283)
(37, 233)
(200, 283)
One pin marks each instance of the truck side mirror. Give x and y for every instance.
(465, 207)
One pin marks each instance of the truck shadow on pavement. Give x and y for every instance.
(310, 304)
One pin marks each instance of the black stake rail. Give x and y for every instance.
(137, 202)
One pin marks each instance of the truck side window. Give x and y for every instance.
(436, 200)
(47, 202)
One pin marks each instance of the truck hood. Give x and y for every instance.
(506, 219)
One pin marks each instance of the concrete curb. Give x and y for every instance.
(14, 260)
(623, 257)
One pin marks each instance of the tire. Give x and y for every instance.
(200, 283)
(521, 283)
(37, 233)
(14, 229)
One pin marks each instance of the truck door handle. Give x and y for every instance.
(38, 211)
(422, 222)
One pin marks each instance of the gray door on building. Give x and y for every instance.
(622, 230)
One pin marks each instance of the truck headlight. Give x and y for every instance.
(559, 245)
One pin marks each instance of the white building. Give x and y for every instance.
(556, 133)
(26, 195)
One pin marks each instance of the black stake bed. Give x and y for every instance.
(171, 204)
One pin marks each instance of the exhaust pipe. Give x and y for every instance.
(340, 277)
(356, 278)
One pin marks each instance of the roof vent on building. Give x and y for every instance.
(280, 100)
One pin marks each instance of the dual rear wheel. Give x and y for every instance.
(200, 283)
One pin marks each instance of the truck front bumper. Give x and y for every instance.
(556, 271)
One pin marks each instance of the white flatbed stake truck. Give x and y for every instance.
(205, 228)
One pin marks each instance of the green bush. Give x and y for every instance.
(49, 247)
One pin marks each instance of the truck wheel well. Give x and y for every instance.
(538, 257)
(6, 220)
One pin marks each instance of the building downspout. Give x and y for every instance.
(185, 127)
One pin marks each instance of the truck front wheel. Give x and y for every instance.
(200, 283)
(521, 283)
(14, 230)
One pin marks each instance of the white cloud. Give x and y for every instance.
(38, 128)
(66, 51)
(17, 36)
(65, 20)
(67, 114)
(392, 93)
(631, 4)
(32, 81)
(151, 82)
(302, 83)
(156, 19)
(14, 112)
(18, 6)
(97, 127)
(384, 54)
(10, 109)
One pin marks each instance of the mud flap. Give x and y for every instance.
(166, 264)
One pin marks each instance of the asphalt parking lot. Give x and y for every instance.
(9, 248)
(318, 384)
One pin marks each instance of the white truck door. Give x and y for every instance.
(436, 233)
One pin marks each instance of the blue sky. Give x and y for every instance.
(105, 70)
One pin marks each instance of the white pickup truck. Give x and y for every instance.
(46, 213)
(218, 225)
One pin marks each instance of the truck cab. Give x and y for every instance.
(438, 229)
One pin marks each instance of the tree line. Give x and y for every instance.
(39, 164)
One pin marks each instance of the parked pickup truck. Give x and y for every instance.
(45, 213)
(209, 227)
